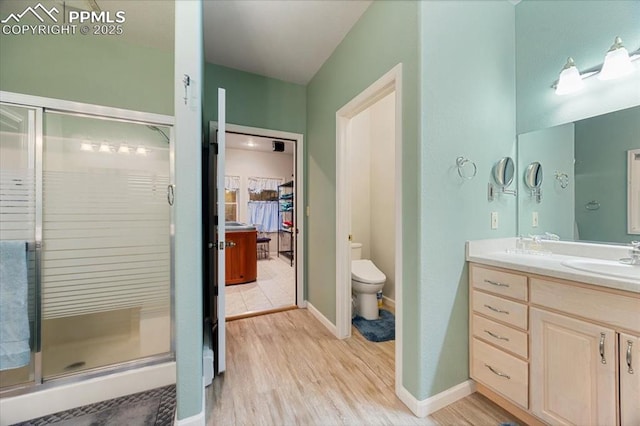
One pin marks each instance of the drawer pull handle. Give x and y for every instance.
(496, 283)
(602, 358)
(629, 345)
(497, 373)
(506, 339)
(496, 309)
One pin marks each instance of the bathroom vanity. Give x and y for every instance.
(241, 260)
(551, 340)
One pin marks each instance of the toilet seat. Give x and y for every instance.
(365, 271)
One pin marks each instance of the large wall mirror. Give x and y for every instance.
(587, 185)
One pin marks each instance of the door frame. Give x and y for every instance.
(388, 83)
(299, 173)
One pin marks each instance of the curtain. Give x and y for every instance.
(264, 214)
(258, 184)
(232, 183)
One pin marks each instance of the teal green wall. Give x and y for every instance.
(601, 174)
(95, 70)
(550, 31)
(553, 149)
(467, 108)
(256, 101)
(386, 34)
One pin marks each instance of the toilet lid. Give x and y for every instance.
(365, 271)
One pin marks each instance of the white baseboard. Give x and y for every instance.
(318, 315)
(51, 400)
(432, 404)
(389, 302)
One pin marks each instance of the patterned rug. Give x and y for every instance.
(379, 330)
(151, 408)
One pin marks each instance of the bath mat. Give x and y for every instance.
(151, 408)
(379, 330)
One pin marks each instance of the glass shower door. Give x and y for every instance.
(18, 274)
(106, 256)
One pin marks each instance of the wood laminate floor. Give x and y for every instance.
(287, 369)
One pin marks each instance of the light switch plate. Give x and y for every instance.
(494, 220)
(534, 219)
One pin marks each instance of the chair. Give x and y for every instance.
(262, 242)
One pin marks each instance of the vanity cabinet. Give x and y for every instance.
(573, 370)
(555, 351)
(629, 379)
(499, 337)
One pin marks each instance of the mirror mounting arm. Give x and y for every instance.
(493, 191)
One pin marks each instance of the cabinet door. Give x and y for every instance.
(573, 371)
(629, 380)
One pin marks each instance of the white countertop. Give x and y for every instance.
(495, 252)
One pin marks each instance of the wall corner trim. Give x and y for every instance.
(197, 420)
(423, 408)
(323, 320)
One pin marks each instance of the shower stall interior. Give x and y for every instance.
(85, 208)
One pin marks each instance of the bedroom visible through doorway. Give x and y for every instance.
(260, 216)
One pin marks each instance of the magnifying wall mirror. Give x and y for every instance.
(503, 173)
(533, 180)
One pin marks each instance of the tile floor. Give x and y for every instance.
(274, 288)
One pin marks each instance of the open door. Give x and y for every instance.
(220, 275)
(214, 229)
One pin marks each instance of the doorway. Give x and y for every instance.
(346, 122)
(259, 200)
(263, 173)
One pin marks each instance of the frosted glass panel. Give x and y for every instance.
(106, 252)
(17, 224)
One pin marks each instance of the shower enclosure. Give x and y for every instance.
(88, 197)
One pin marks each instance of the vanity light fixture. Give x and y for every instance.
(570, 80)
(617, 63)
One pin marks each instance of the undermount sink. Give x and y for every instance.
(605, 267)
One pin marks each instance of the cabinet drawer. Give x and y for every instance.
(502, 372)
(500, 335)
(507, 311)
(602, 306)
(498, 282)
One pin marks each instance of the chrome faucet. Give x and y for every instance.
(635, 253)
(547, 236)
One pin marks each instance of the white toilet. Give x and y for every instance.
(366, 282)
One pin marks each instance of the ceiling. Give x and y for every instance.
(255, 143)
(284, 39)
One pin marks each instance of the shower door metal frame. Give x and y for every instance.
(40, 105)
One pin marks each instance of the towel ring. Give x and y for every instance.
(592, 205)
(563, 178)
(461, 162)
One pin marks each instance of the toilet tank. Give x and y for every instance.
(356, 251)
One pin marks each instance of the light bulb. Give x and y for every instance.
(141, 150)
(86, 146)
(104, 147)
(124, 149)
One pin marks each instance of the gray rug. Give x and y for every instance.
(151, 408)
